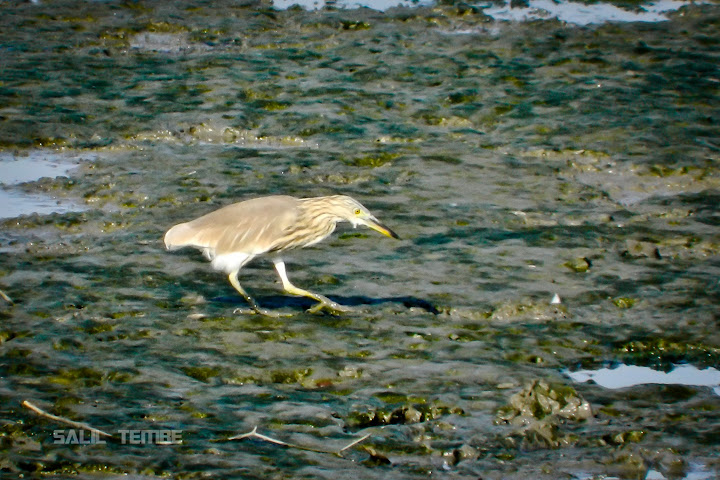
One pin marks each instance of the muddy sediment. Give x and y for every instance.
(521, 163)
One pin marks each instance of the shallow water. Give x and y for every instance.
(624, 376)
(31, 167)
(518, 161)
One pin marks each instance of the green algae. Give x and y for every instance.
(401, 415)
(624, 302)
(290, 376)
(203, 374)
(664, 352)
(82, 376)
(373, 160)
(500, 153)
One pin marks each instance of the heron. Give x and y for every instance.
(233, 235)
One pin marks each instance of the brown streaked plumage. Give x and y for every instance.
(233, 235)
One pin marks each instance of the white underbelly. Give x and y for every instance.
(230, 262)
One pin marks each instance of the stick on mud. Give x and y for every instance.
(72, 423)
(253, 434)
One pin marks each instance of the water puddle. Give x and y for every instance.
(697, 472)
(15, 170)
(527, 159)
(631, 375)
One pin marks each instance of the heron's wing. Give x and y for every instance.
(249, 227)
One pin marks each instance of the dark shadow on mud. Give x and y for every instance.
(273, 302)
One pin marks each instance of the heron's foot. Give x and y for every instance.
(260, 311)
(331, 306)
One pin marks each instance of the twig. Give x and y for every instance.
(66, 421)
(6, 298)
(353, 443)
(253, 434)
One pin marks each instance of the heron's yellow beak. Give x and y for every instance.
(376, 225)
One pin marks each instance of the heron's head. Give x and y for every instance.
(349, 209)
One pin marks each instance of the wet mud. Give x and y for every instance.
(555, 187)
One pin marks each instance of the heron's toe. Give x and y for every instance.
(260, 311)
(332, 307)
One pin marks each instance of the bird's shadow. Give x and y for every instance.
(275, 302)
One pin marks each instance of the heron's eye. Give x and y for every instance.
(357, 211)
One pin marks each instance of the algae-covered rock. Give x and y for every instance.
(622, 438)
(628, 465)
(539, 409)
(578, 265)
(539, 400)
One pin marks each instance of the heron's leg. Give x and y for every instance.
(253, 304)
(324, 302)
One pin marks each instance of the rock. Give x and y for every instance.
(538, 410)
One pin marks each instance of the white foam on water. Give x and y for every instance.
(583, 14)
(571, 12)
